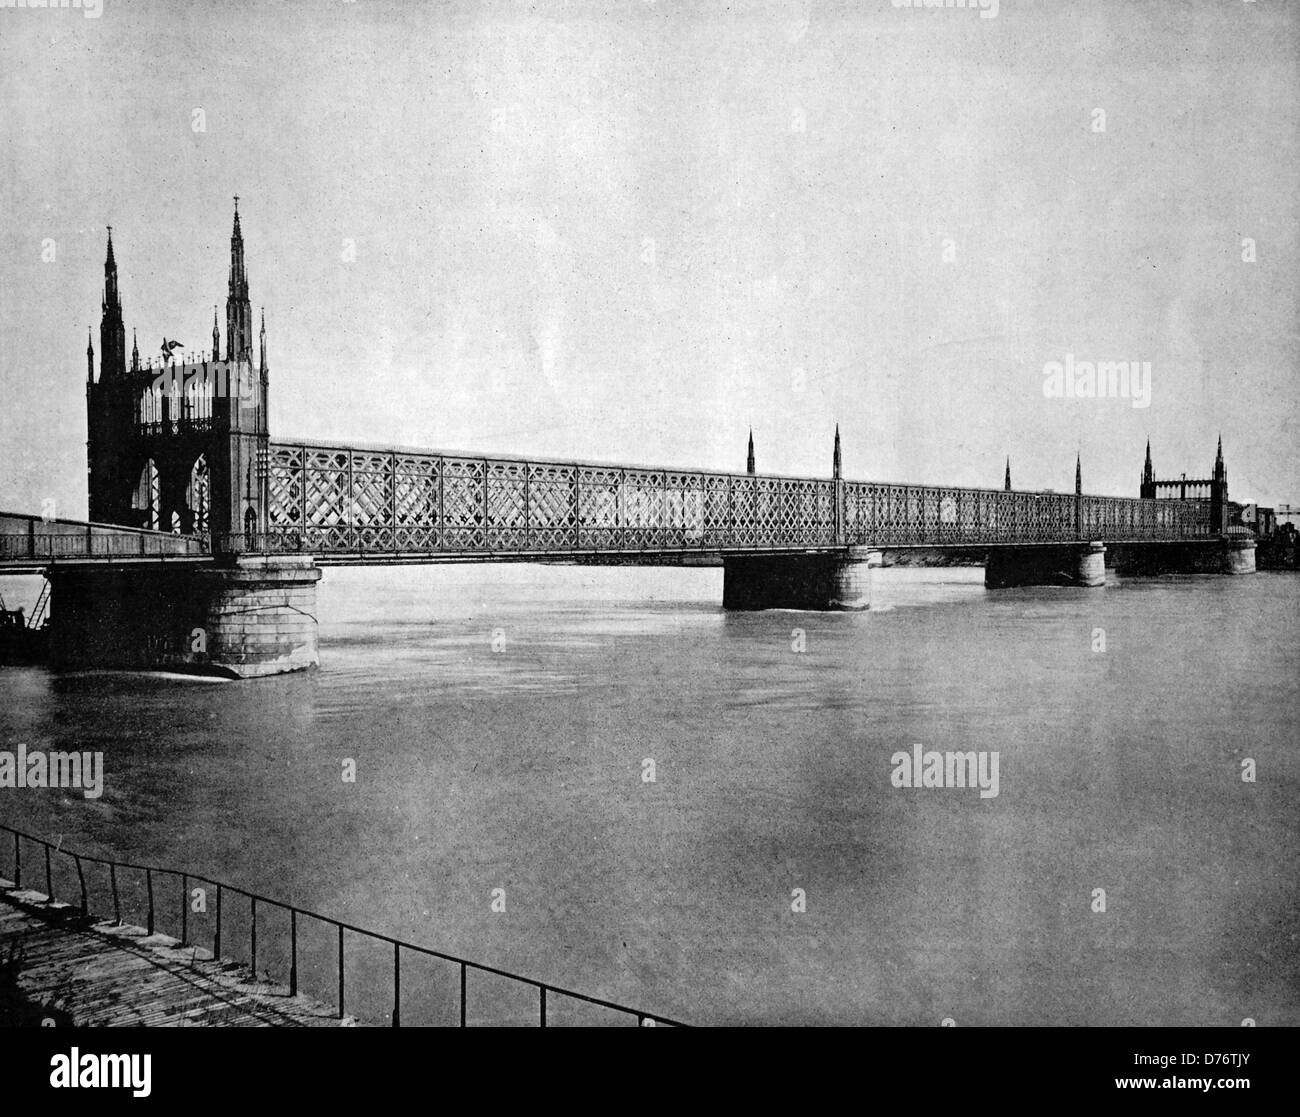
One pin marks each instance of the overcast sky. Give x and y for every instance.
(630, 231)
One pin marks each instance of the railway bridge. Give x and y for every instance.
(206, 536)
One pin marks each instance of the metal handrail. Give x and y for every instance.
(543, 988)
(125, 544)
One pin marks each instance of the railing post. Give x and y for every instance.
(81, 879)
(439, 518)
(293, 952)
(397, 985)
(117, 901)
(340, 971)
(577, 507)
(351, 507)
(528, 523)
(839, 511)
(487, 546)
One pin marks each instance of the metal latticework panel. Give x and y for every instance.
(329, 499)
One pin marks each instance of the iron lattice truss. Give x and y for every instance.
(345, 500)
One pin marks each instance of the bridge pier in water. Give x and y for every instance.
(245, 618)
(817, 581)
(1219, 556)
(1070, 564)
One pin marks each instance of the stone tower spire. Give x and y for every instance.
(1148, 489)
(1219, 507)
(1078, 475)
(135, 352)
(836, 471)
(1006, 484)
(239, 311)
(112, 334)
(216, 337)
(262, 340)
(749, 462)
(90, 356)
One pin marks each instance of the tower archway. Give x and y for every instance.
(146, 498)
(198, 496)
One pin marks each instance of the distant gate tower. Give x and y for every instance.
(180, 444)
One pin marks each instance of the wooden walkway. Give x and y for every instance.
(59, 966)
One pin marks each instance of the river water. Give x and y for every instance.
(500, 720)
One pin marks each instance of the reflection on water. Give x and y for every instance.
(500, 717)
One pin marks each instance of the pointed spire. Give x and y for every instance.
(239, 312)
(749, 462)
(90, 355)
(1078, 474)
(262, 340)
(135, 352)
(836, 470)
(112, 333)
(216, 335)
(1006, 484)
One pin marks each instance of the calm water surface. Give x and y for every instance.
(521, 769)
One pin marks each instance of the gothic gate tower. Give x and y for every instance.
(180, 443)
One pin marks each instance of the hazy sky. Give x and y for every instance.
(630, 231)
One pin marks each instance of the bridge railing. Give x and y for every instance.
(162, 897)
(37, 547)
(881, 514)
(335, 499)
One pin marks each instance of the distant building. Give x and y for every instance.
(1262, 521)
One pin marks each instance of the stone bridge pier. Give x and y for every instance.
(1069, 564)
(1218, 556)
(827, 580)
(242, 618)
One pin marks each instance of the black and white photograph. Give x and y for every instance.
(649, 513)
